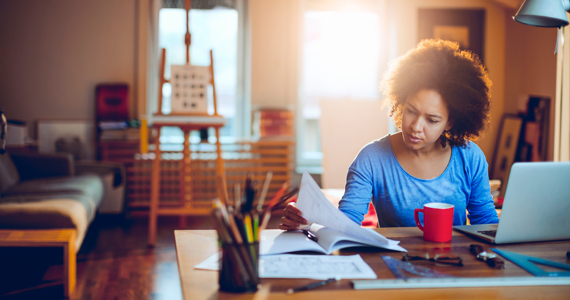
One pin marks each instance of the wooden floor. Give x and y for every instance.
(114, 262)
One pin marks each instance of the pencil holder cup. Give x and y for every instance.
(239, 271)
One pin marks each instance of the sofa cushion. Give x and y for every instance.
(43, 165)
(86, 189)
(56, 213)
(8, 173)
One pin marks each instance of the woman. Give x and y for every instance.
(439, 96)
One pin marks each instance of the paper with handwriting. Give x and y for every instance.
(314, 267)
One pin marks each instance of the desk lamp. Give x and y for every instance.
(544, 13)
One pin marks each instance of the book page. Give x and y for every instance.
(317, 209)
(275, 241)
(314, 267)
(332, 240)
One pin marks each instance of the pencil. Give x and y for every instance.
(279, 194)
(247, 224)
(237, 192)
(265, 221)
(222, 186)
(285, 200)
(264, 190)
(255, 227)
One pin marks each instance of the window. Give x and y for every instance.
(214, 28)
(340, 60)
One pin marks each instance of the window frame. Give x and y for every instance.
(242, 118)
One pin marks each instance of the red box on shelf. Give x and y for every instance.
(112, 102)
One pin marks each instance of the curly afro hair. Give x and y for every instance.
(457, 75)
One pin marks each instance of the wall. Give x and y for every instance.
(274, 51)
(53, 54)
(531, 65)
(494, 50)
(275, 48)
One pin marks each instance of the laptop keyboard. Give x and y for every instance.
(488, 232)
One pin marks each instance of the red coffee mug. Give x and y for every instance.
(438, 221)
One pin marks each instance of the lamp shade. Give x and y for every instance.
(543, 13)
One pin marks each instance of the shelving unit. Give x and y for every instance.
(240, 157)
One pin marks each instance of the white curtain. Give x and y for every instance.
(562, 101)
(147, 57)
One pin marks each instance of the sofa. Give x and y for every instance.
(42, 191)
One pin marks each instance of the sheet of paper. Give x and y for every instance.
(211, 263)
(303, 266)
(314, 267)
(317, 209)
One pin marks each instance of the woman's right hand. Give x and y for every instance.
(292, 219)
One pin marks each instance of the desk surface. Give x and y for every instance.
(194, 246)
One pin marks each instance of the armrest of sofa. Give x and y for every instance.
(40, 165)
(101, 168)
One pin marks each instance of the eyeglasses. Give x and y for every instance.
(492, 259)
(438, 259)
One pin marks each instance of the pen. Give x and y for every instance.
(249, 192)
(310, 286)
(311, 236)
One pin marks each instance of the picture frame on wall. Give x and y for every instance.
(506, 149)
(536, 130)
(465, 26)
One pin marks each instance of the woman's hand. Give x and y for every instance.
(292, 219)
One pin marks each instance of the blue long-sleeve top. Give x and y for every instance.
(376, 175)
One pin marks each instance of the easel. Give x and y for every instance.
(186, 122)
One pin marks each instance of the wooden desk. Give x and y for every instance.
(193, 246)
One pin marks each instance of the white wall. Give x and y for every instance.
(275, 49)
(53, 54)
(341, 143)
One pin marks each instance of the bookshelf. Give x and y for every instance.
(273, 123)
(241, 157)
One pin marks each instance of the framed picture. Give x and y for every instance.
(506, 149)
(537, 127)
(465, 26)
(73, 136)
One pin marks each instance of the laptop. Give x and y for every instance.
(536, 206)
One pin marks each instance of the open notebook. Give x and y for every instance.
(328, 240)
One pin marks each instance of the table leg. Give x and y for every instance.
(220, 167)
(186, 178)
(154, 192)
(69, 267)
